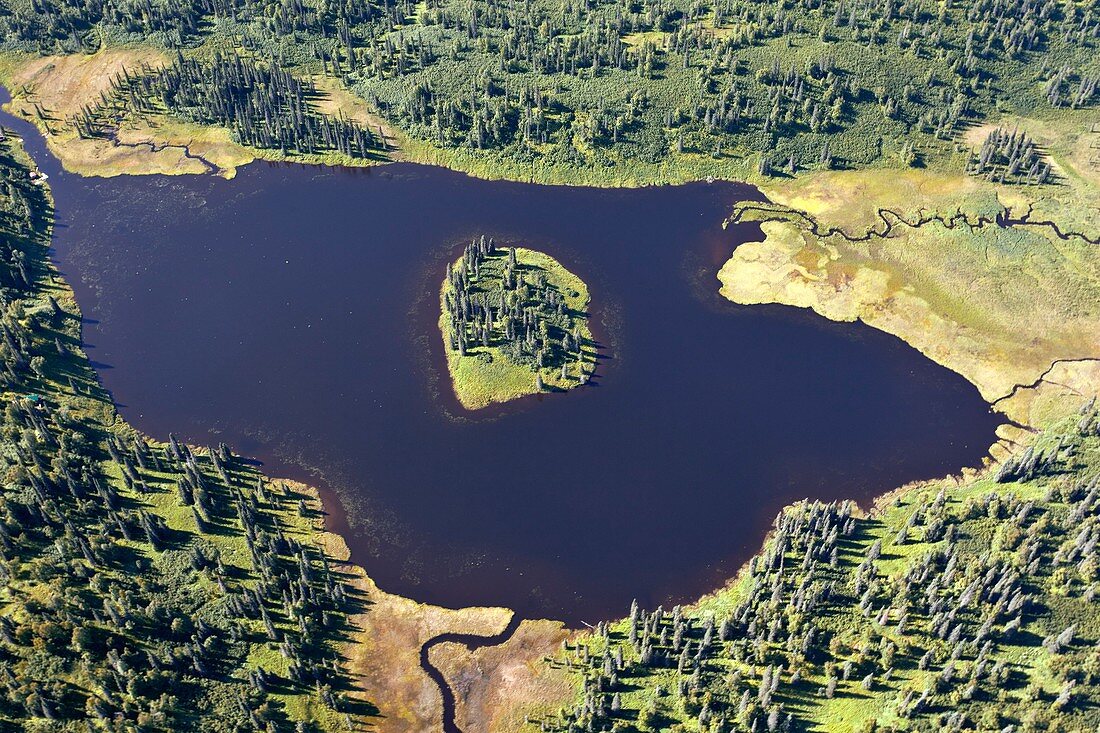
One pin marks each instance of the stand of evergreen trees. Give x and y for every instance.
(494, 301)
(1009, 157)
(265, 107)
(143, 587)
(969, 609)
(803, 83)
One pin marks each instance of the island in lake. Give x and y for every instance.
(514, 322)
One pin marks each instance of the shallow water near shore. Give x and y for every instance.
(291, 313)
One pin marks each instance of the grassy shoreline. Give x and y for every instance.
(969, 272)
(46, 91)
(412, 615)
(852, 668)
(61, 85)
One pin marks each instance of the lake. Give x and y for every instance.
(291, 313)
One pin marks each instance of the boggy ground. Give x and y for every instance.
(500, 688)
(49, 90)
(999, 283)
(383, 653)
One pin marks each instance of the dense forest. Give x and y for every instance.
(962, 608)
(264, 107)
(781, 85)
(143, 586)
(493, 301)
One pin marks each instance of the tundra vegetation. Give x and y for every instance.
(264, 107)
(992, 276)
(514, 322)
(892, 137)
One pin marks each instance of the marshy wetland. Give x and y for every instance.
(292, 312)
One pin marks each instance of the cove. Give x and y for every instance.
(291, 313)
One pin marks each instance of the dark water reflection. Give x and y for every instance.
(291, 313)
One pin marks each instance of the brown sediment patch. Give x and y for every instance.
(383, 650)
(336, 100)
(499, 688)
(49, 90)
(384, 653)
(1057, 392)
(1067, 141)
(61, 85)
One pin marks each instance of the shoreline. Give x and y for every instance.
(384, 647)
(424, 648)
(142, 153)
(337, 520)
(367, 168)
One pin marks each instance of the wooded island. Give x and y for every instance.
(514, 322)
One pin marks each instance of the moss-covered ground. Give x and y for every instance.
(997, 282)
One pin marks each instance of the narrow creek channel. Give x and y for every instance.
(471, 642)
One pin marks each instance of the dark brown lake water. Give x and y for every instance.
(291, 313)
